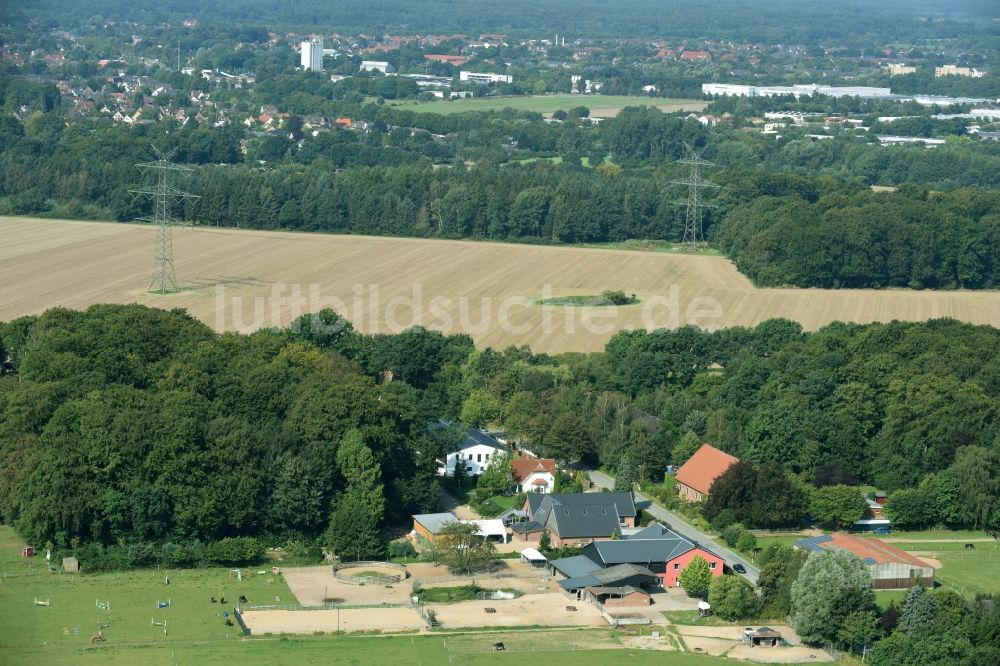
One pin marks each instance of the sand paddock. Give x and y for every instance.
(531, 609)
(311, 585)
(348, 619)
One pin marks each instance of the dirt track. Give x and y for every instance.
(244, 280)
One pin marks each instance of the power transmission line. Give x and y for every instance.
(694, 232)
(163, 279)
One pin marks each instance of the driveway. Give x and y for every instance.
(682, 527)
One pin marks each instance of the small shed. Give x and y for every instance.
(28, 551)
(704, 609)
(71, 564)
(533, 557)
(763, 637)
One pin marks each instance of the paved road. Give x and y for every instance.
(684, 528)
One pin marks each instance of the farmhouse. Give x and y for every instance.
(576, 518)
(534, 475)
(475, 452)
(696, 476)
(890, 567)
(658, 549)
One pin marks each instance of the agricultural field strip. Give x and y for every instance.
(48, 263)
(599, 105)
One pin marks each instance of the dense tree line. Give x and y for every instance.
(777, 21)
(126, 425)
(911, 238)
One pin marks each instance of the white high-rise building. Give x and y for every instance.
(312, 54)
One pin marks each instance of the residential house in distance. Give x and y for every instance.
(377, 66)
(696, 476)
(874, 518)
(695, 56)
(574, 519)
(479, 77)
(453, 60)
(953, 70)
(890, 567)
(898, 69)
(474, 453)
(534, 475)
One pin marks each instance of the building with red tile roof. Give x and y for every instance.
(890, 567)
(695, 55)
(696, 476)
(455, 60)
(534, 475)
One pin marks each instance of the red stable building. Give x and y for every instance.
(657, 548)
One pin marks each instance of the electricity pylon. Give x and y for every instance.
(163, 279)
(694, 232)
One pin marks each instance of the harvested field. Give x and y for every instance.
(547, 610)
(244, 280)
(348, 619)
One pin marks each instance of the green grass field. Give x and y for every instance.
(197, 634)
(353, 651)
(539, 103)
(936, 535)
(73, 617)
(968, 571)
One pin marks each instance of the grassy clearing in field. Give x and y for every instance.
(765, 541)
(543, 103)
(884, 597)
(583, 301)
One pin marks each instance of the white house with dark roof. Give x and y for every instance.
(474, 453)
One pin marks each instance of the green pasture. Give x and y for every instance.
(968, 571)
(354, 651)
(73, 616)
(539, 103)
(921, 535)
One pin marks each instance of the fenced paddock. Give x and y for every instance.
(529, 641)
(382, 619)
(388, 573)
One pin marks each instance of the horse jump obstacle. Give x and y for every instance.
(103, 606)
(40, 602)
(163, 604)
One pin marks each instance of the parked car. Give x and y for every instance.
(739, 568)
